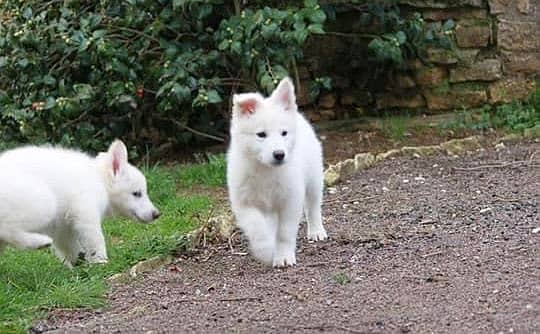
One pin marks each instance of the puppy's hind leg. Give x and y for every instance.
(26, 240)
(260, 232)
(313, 202)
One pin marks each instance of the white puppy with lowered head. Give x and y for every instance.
(58, 196)
(274, 172)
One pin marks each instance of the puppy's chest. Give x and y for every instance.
(264, 192)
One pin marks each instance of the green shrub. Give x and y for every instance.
(80, 72)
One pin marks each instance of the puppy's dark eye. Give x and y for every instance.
(137, 194)
(284, 133)
(261, 134)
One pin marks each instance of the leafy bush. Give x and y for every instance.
(393, 35)
(160, 73)
(79, 72)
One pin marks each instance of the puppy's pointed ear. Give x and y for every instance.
(118, 156)
(246, 104)
(284, 94)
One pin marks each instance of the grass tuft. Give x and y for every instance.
(209, 170)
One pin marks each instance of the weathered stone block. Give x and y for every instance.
(524, 63)
(499, 6)
(461, 146)
(404, 81)
(386, 155)
(327, 115)
(356, 98)
(332, 175)
(523, 6)
(431, 76)
(312, 115)
(450, 57)
(467, 56)
(442, 4)
(422, 151)
(400, 101)
(504, 6)
(486, 70)
(473, 33)
(455, 13)
(510, 89)
(327, 101)
(440, 56)
(363, 161)
(518, 36)
(455, 99)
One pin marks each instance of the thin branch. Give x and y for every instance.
(194, 131)
(232, 299)
(519, 163)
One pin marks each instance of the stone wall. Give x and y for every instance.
(496, 60)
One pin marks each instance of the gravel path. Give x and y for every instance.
(442, 245)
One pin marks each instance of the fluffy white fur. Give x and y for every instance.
(58, 196)
(274, 171)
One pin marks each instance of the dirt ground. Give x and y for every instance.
(438, 245)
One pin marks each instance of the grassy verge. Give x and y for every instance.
(34, 282)
(513, 117)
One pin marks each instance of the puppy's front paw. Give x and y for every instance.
(284, 260)
(97, 259)
(318, 235)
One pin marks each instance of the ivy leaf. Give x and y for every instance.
(300, 36)
(223, 45)
(49, 80)
(318, 17)
(49, 103)
(213, 97)
(83, 91)
(401, 37)
(316, 28)
(27, 13)
(448, 25)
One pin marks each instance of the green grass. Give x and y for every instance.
(395, 127)
(210, 170)
(341, 278)
(514, 117)
(34, 282)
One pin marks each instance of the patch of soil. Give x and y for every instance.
(343, 139)
(442, 245)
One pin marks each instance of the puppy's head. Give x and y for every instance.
(265, 128)
(127, 185)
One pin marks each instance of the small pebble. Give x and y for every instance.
(405, 181)
(536, 230)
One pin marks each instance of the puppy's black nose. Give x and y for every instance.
(279, 155)
(156, 214)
